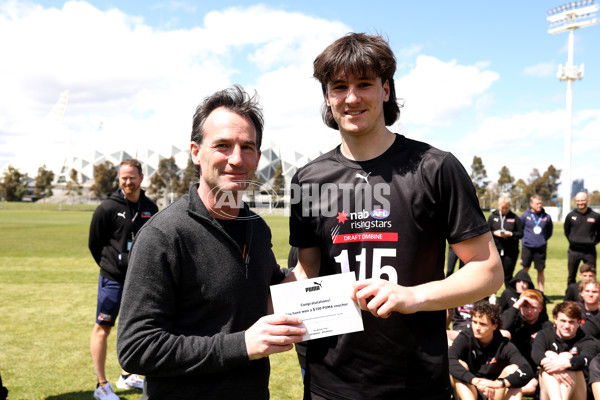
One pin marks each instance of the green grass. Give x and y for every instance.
(48, 285)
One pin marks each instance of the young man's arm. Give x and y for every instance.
(308, 266)
(482, 270)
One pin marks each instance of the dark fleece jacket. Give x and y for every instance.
(188, 298)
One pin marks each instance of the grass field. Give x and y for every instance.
(48, 285)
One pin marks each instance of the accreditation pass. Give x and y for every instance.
(323, 304)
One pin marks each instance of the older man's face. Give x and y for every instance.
(582, 202)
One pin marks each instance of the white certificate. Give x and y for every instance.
(323, 304)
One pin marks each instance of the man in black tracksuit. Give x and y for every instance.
(483, 360)
(114, 225)
(582, 229)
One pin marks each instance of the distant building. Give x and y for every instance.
(576, 187)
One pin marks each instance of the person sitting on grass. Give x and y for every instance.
(589, 294)
(563, 352)
(482, 361)
(587, 272)
(523, 321)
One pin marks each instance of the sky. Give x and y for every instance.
(476, 78)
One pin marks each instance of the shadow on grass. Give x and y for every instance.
(556, 298)
(89, 394)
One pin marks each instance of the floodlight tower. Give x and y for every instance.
(568, 17)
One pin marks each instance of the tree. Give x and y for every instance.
(595, 198)
(190, 174)
(546, 185)
(278, 178)
(165, 180)
(105, 179)
(519, 195)
(478, 175)
(505, 181)
(550, 182)
(73, 186)
(14, 184)
(43, 182)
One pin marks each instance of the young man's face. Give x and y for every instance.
(521, 286)
(566, 327)
(587, 276)
(357, 103)
(130, 180)
(530, 310)
(228, 154)
(483, 329)
(590, 294)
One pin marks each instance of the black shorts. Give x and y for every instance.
(537, 255)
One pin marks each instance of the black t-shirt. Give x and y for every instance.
(387, 217)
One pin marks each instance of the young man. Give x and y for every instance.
(484, 361)
(196, 295)
(563, 352)
(383, 206)
(589, 294)
(114, 225)
(587, 272)
(582, 229)
(523, 321)
(507, 229)
(537, 229)
(517, 285)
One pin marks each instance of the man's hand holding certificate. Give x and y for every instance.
(324, 304)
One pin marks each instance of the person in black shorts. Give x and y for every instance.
(114, 225)
(587, 272)
(537, 229)
(383, 206)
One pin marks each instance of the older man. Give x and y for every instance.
(196, 295)
(582, 229)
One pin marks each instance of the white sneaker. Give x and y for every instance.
(105, 392)
(133, 381)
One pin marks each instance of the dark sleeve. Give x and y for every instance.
(509, 318)
(589, 349)
(464, 218)
(99, 233)
(458, 351)
(524, 373)
(567, 226)
(597, 228)
(490, 222)
(146, 343)
(572, 292)
(550, 227)
(518, 232)
(539, 346)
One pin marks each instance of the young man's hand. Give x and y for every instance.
(381, 297)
